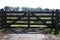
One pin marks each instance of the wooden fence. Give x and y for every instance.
(30, 19)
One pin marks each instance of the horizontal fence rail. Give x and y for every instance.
(30, 19)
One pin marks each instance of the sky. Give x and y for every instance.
(52, 4)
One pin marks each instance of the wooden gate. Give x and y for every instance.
(30, 19)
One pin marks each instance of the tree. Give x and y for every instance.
(17, 9)
(8, 8)
(47, 10)
(24, 8)
(39, 9)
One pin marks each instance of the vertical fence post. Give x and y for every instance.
(56, 31)
(28, 19)
(51, 30)
(5, 21)
(2, 18)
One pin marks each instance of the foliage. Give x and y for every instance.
(8, 8)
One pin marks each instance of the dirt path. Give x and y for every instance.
(28, 37)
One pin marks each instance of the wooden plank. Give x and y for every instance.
(27, 16)
(15, 11)
(30, 24)
(26, 11)
(27, 19)
(30, 27)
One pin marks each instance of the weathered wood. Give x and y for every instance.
(28, 16)
(30, 27)
(30, 23)
(5, 19)
(26, 12)
(2, 18)
(38, 19)
(27, 19)
(53, 22)
(56, 22)
(16, 20)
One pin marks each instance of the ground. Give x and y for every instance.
(28, 37)
(31, 34)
